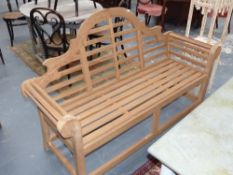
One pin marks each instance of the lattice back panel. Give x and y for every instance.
(117, 46)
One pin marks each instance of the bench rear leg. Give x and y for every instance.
(155, 121)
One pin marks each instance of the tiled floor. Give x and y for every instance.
(21, 150)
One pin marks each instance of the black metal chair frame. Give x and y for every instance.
(57, 23)
(11, 23)
(148, 17)
(1, 56)
(75, 1)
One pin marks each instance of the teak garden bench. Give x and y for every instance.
(88, 97)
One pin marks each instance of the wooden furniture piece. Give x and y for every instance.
(13, 18)
(223, 15)
(177, 13)
(75, 2)
(66, 9)
(202, 142)
(112, 3)
(148, 8)
(107, 95)
(214, 7)
(1, 56)
(49, 30)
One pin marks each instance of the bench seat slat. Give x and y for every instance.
(130, 88)
(126, 104)
(107, 132)
(75, 102)
(91, 102)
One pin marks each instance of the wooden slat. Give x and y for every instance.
(115, 59)
(68, 93)
(100, 38)
(106, 57)
(191, 41)
(151, 41)
(121, 23)
(153, 49)
(102, 68)
(64, 83)
(128, 49)
(103, 48)
(190, 60)
(125, 41)
(156, 56)
(187, 44)
(128, 67)
(109, 76)
(189, 50)
(128, 59)
(125, 32)
(99, 29)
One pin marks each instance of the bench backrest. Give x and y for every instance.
(113, 45)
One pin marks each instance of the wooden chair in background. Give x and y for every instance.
(14, 18)
(49, 31)
(149, 9)
(224, 15)
(75, 2)
(211, 11)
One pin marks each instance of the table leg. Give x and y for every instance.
(76, 7)
(55, 5)
(9, 5)
(31, 36)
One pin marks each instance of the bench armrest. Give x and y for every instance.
(194, 53)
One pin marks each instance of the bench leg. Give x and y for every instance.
(79, 155)
(202, 90)
(45, 131)
(155, 121)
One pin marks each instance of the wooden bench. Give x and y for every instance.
(88, 97)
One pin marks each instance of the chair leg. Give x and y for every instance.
(216, 22)
(1, 55)
(55, 4)
(10, 31)
(229, 26)
(76, 7)
(147, 19)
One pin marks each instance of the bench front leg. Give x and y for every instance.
(79, 155)
(45, 130)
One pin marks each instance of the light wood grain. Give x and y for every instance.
(90, 96)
